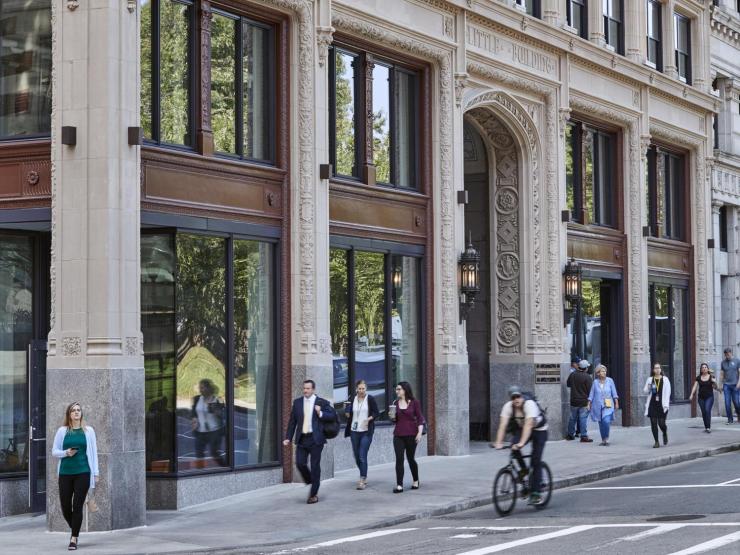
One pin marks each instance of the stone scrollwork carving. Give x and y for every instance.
(461, 81)
(564, 118)
(72, 346)
(324, 38)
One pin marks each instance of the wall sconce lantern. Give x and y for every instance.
(469, 278)
(572, 279)
(396, 277)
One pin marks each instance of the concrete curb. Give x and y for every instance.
(481, 500)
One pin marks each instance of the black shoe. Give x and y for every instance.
(415, 486)
(586, 439)
(656, 445)
(398, 489)
(569, 437)
(665, 438)
(72, 544)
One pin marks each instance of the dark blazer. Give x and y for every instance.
(295, 424)
(372, 410)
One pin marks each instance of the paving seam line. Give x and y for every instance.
(479, 501)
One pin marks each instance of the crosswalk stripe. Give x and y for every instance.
(728, 482)
(662, 529)
(711, 544)
(527, 541)
(361, 537)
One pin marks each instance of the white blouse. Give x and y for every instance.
(360, 414)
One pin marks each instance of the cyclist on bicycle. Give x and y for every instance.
(526, 422)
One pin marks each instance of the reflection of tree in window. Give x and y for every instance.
(369, 306)
(223, 83)
(344, 84)
(569, 177)
(381, 123)
(338, 309)
(588, 176)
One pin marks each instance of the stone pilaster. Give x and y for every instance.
(634, 30)
(669, 47)
(95, 342)
(596, 23)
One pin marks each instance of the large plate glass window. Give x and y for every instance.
(669, 335)
(377, 296)
(682, 44)
(655, 34)
(242, 86)
(25, 69)
(166, 71)
(591, 174)
(666, 194)
(208, 320)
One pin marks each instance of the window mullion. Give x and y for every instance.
(239, 81)
(368, 172)
(388, 325)
(393, 127)
(230, 350)
(350, 254)
(155, 72)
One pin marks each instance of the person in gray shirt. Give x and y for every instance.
(730, 384)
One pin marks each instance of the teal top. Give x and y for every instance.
(76, 464)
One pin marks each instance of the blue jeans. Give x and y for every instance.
(360, 446)
(578, 415)
(604, 425)
(731, 392)
(706, 410)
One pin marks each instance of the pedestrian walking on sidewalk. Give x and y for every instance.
(580, 384)
(75, 445)
(307, 432)
(406, 413)
(731, 384)
(361, 410)
(705, 385)
(602, 401)
(658, 388)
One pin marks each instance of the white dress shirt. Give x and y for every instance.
(308, 404)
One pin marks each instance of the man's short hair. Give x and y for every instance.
(575, 360)
(727, 350)
(313, 383)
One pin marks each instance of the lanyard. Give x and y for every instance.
(356, 413)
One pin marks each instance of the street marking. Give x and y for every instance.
(728, 482)
(464, 536)
(601, 488)
(711, 544)
(527, 541)
(662, 529)
(349, 539)
(495, 528)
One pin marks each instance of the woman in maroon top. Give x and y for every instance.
(406, 413)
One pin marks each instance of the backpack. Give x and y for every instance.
(331, 427)
(513, 426)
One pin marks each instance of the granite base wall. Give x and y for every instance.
(13, 496)
(504, 375)
(452, 414)
(381, 449)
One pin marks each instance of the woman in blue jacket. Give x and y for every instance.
(77, 449)
(602, 402)
(361, 410)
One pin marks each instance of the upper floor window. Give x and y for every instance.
(682, 43)
(613, 15)
(532, 7)
(723, 228)
(655, 34)
(374, 107)
(166, 71)
(578, 16)
(25, 69)
(591, 174)
(666, 194)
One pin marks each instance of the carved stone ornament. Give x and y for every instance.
(461, 81)
(564, 119)
(72, 5)
(33, 178)
(524, 23)
(71, 346)
(132, 346)
(324, 38)
(131, 6)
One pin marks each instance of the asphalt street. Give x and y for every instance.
(683, 509)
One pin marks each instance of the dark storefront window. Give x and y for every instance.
(723, 228)
(382, 308)
(669, 334)
(532, 7)
(577, 16)
(591, 174)
(166, 67)
(613, 29)
(391, 111)
(195, 357)
(25, 69)
(666, 194)
(655, 34)
(241, 86)
(682, 43)
(16, 333)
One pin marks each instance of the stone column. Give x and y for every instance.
(553, 12)
(635, 22)
(732, 336)
(717, 276)
(596, 23)
(95, 342)
(669, 47)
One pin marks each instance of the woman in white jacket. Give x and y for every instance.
(77, 448)
(658, 388)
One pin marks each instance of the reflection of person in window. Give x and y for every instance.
(19, 307)
(208, 415)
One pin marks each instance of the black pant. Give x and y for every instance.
(72, 492)
(538, 440)
(654, 423)
(307, 447)
(407, 444)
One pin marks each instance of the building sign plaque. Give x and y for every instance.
(512, 52)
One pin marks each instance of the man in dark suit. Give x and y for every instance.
(305, 429)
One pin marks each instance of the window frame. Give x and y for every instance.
(607, 9)
(658, 63)
(723, 229)
(229, 238)
(535, 10)
(583, 29)
(350, 246)
(667, 220)
(156, 78)
(363, 107)
(679, 18)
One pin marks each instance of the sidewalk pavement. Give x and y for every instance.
(278, 515)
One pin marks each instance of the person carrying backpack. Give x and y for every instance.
(525, 420)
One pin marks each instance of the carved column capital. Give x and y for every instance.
(324, 38)
(461, 81)
(564, 119)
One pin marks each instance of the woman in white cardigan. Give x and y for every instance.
(77, 448)
(658, 388)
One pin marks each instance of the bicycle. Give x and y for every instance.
(509, 477)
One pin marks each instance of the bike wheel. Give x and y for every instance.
(504, 491)
(545, 487)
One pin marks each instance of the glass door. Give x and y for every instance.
(37, 425)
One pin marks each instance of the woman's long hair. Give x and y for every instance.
(68, 419)
(408, 393)
(702, 365)
(652, 370)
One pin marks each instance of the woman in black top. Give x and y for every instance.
(705, 384)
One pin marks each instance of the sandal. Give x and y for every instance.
(72, 544)
(415, 485)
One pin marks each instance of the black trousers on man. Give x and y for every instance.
(72, 492)
(308, 448)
